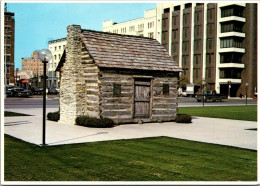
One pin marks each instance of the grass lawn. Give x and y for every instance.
(10, 114)
(149, 159)
(248, 113)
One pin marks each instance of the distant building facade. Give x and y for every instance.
(144, 27)
(215, 42)
(33, 66)
(9, 38)
(56, 47)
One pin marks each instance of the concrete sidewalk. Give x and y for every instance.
(209, 130)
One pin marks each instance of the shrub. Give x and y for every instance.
(53, 116)
(183, 118)
(94, 122)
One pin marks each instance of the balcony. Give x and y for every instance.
(232, 18)
(231, 49)
(231, 65)
(231, 34)
(225, 81)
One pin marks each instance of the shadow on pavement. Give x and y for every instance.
(53, 143)
(17, 123)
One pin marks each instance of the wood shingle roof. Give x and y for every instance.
(127, 52)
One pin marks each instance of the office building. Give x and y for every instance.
(9, 37)
(144, 27)
(56, 47)
(214, 42)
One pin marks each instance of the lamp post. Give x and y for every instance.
(16, 76)
(203, 84)
(45, 56)
(229, 86)
(246, 93)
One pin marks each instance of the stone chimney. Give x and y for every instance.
(69, 77)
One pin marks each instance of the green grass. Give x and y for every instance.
(149, 159)
(248, 113)
(11, 114)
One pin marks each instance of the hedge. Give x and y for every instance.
(183, 118)
(94, 122)
(53, 116)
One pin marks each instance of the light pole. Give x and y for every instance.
(246, 93)
(229, 86)
(16, 76)
(203, 84)
(45, 56)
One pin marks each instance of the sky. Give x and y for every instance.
(37, 23)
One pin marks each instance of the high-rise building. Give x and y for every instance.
(9, 34)
(56, 47)
(33, 65)
(144, 27)
(214, 42)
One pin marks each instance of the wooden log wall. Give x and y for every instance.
(121, 109)
(88, 99)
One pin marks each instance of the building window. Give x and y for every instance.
(230, 73)
(174, 20)
(59, 56)
(131, 28)
(7, 37)
(55, 48)
(63, 46)
(8, 69)
(116, 90)
(232, 11)
(166, 89)
(231, 27)
(198, 17)
(209, 72)
(59, 47)
(231, 42)
(7, 28)
(7, 58)
(55, 57)
(150, 35)
(231, 58)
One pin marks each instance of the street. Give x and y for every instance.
(53, 102)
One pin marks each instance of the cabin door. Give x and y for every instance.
(142, 98)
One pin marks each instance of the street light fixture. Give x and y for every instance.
(203, 84)
(246, 93)
(45, 56)
(229, 86)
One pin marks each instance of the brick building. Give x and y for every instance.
(9, 37)
(33, 65)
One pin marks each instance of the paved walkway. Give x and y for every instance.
(210, 130)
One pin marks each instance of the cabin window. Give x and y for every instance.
(166, 89)
(116, 90)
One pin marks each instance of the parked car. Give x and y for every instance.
(9, 90)
(37, 90)
(20, 92)
(210, 95)
(52, 90)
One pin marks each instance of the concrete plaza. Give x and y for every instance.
(209, 130)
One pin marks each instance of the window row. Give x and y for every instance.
(232, 11)
(231, 58)
(231, 42)
(151, 24)
(231, 27)
(232, 73)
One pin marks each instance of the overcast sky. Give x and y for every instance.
(37, 23)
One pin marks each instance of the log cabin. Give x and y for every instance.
(129, 79)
